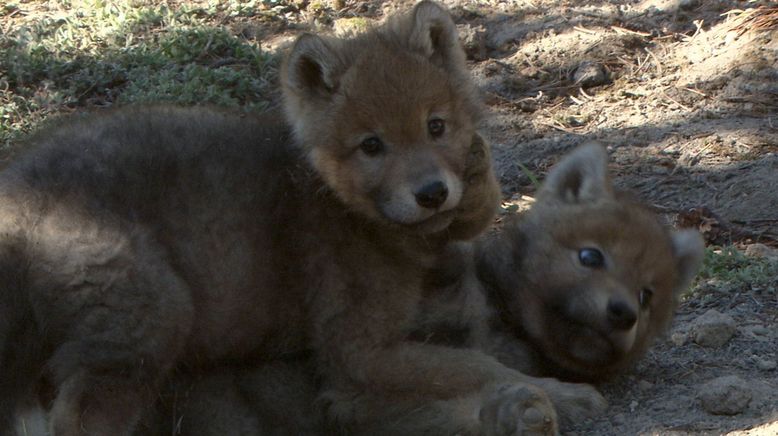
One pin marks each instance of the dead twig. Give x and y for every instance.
(560, 127)
(698, 24)
(659, 69)
(583, 29)
(683, 106)
(624, 31)
(576, 100)
(696, 91)
(757, 19)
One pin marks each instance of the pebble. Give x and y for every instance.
(645, 385)
(713, 329)
(685, 5)
(589, 74)
(760, 330)
(766, 364)
(679, 338)
(474, 41)
(728, 395)
(761, 250)
(531, 72)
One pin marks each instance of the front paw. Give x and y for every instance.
(481, 194)
(478, 164)
(574, 402)
(518, 410)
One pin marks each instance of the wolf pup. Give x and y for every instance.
(150, 238)
(588, 278)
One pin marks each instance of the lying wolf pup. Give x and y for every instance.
(148, 239)
(589, 277)
(577, 287)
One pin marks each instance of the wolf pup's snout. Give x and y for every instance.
(432, 195)
(621, 315)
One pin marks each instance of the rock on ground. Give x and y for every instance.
(728, 395)
(761, 250)
(713, 329)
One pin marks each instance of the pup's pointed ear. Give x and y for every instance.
(580, 177)
(312, 68)
(688, 250)
(434, 34)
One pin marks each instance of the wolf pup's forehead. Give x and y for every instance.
(316, 67)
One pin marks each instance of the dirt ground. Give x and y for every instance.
(685, 96)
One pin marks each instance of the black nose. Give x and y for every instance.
(432, 195)
(621, 315)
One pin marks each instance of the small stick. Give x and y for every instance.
(622, 30)
(658, 64)
(583, 29)
(698, 92)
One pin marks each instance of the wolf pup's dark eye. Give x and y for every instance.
(645, 297)
(591, 258)
(372, 146)
(436, 127)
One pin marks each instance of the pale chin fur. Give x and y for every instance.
(401, 207)
(592, 349)
(623, 342)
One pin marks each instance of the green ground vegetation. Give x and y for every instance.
(65, 55)
(730, 269)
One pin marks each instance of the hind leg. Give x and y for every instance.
(270, 399)
(89, 404)
(103, 386)
(126, 321)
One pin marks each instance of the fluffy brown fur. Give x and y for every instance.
(150, 239)
(275, 398)
(589, 277)
(525, 297)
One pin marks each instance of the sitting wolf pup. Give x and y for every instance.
(576, 288)
(145, 239)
